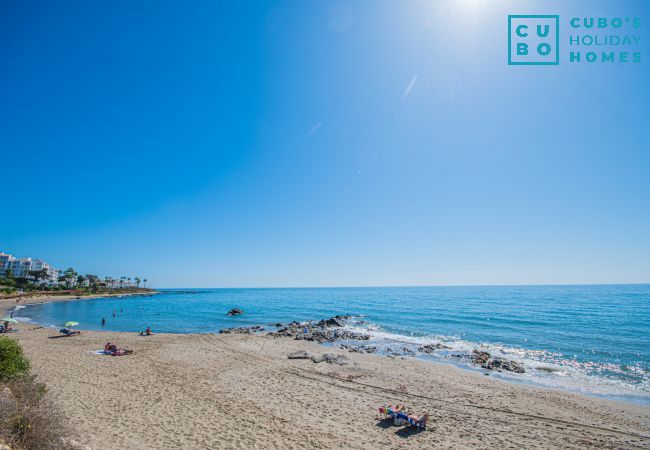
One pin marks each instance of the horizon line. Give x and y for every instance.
(643, 283)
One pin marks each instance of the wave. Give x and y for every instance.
(543, 367)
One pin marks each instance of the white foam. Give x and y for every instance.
(543, 368)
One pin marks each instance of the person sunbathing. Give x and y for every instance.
(121, 352)
(110, 348)
(68, 332)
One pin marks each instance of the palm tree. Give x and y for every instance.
(137, 281)
(145, 282)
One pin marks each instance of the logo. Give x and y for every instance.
(534, 40)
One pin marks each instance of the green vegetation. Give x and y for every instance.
(69, 283)
(13, 364)
(29, 418)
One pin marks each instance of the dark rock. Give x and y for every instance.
(500, 364)
(480, 358)
(331, 322)
(300, 354)
(332, 358)
(359, 348)
(235, 312)
(241, 330)
(430, 348)
(278, 325)
(486, 361)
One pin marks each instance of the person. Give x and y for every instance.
(148, 331)
(110, 348)
(113, 313)
(103, 321)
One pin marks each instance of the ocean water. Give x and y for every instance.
(589, 339)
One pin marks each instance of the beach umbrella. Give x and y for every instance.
(8, 319)
(70, 324)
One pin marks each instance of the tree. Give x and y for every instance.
(80, 280)
(93, 280)
(137, 281)
(69, 276)
(145, 282)
(38, 275)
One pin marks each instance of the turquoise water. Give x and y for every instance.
(590, 339)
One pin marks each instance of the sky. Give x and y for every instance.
(328, 143)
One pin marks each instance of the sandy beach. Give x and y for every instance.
(241, 391)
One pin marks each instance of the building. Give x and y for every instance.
(5, 262)
(21, 267)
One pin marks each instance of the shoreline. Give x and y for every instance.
(502, 377)
(273, 401)
(9, 304)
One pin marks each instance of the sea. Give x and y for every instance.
(592, 339)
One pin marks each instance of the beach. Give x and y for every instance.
(241, 391)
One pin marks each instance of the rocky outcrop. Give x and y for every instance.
(487, 361)
(235, 312)
(241, 330)
(430, 348)
(359, 348)
(326, 330)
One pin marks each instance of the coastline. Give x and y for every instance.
(206, 390)
(8, 304)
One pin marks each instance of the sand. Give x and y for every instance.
(239, 391)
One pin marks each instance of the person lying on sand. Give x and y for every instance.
(111, 349)
(68, 332)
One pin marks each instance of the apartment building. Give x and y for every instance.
(20, 267)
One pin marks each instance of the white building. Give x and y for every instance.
(5, 262)
(20, 267)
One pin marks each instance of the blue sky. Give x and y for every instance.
(294, 143)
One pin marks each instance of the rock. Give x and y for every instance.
(480, 358)
(317, 359)
(7, 396)
(359, 349)
(235, 312)
(331, 322)
(486, 361)
(332, 358)
(500, 364)
(277, 325)
(430, 348)
(241, 330)
(300, 354)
